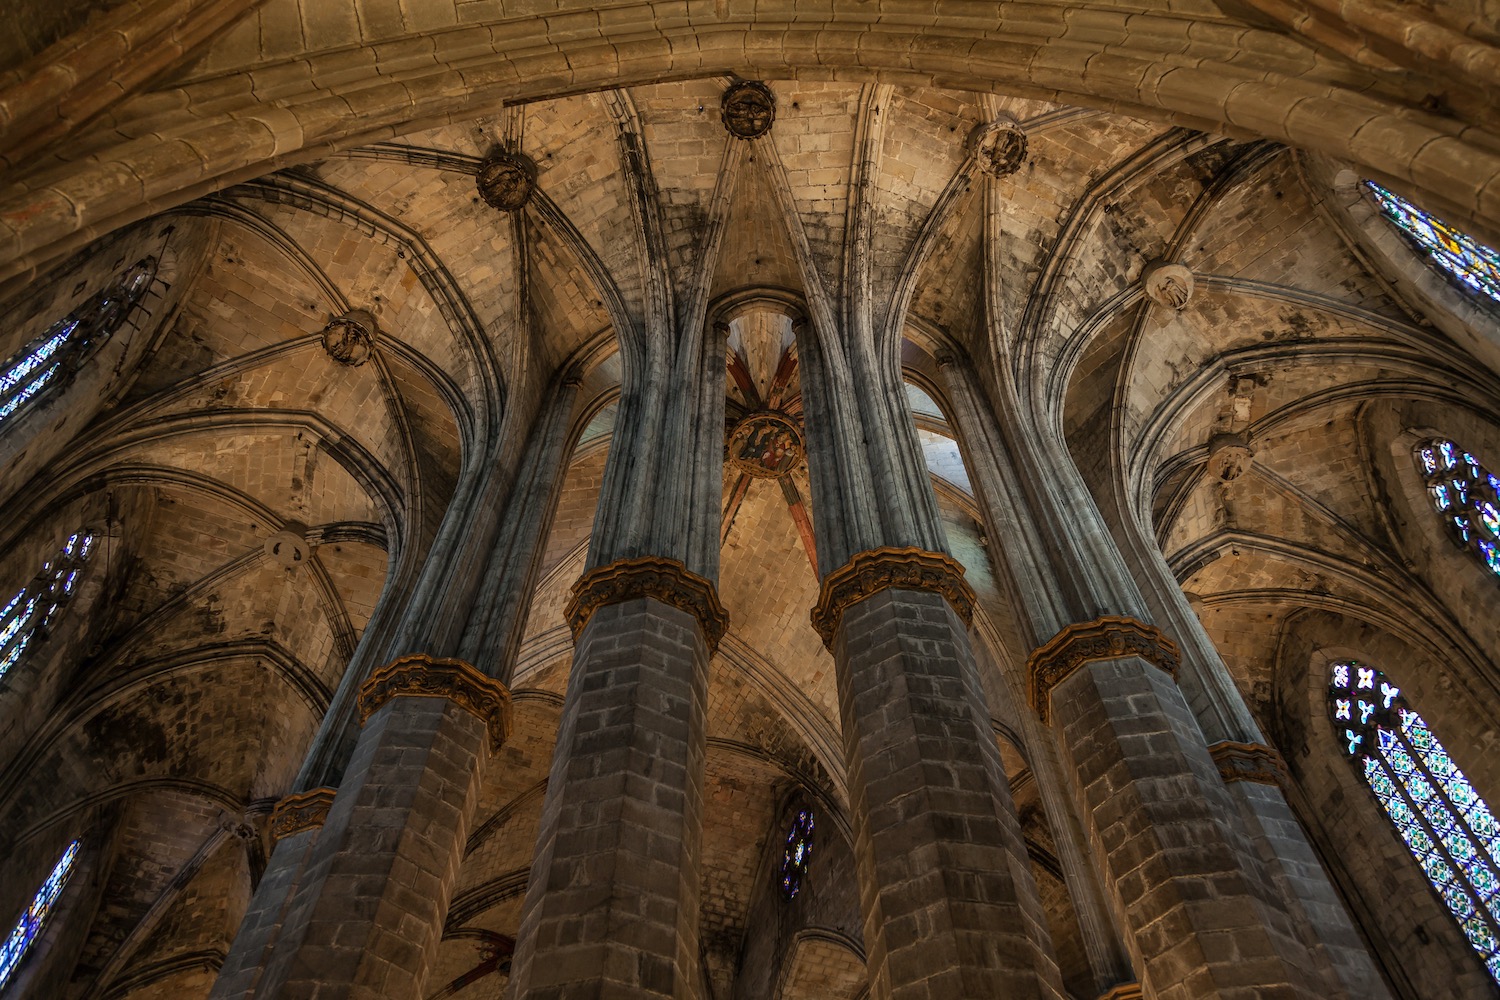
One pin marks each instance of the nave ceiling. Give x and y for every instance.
(194, 668)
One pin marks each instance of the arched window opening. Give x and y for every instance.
(798, 853)
(1466, 495)
(43, 363)
(31, 921)
(1472, 264)
(37, 606)
(1446, 825)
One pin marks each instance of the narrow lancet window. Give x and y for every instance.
(31, 921)
(1467, 497)
(44, 363)
(1473, 264)
(1445, 824)
(38, 604)
(798, 853)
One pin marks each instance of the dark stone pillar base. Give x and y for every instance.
(949, 903)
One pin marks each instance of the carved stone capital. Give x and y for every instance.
(1249, 762)
(885, 568)
(300, 811)
(1107, 638)
(664, 580)
(422, 676)
(1123, 991)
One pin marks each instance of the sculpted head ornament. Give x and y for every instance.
(748, 109)
(1169, 285)
(350, 339)
(506, 180)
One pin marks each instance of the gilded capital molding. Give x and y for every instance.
(1123, 991)
(420, 676)
(1254, 762)
(300, 811)
(661, 579)
(886, 568)
(1107, 638)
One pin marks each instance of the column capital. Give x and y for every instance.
(300, 811)
(421, 676)
(1253, 762)
(661, 579)
(886, 568)
(1123, 991)
(1108, 638)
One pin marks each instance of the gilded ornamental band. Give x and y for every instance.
(1106, 638)
(889, 568)
(420, 676)
(1253, 762)
(661, 579)
(300, 811)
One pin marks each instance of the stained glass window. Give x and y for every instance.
(1467, 498)
(45, 362)
(31, 921)
(799, 845)
(1473, 264)
(37, 605)
(1446, 825)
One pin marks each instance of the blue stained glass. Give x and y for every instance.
(1468, 494)
(66, 344)
(38, 604)
(798, 853)
(1443, 821)
(1453, 251)
(31, 921)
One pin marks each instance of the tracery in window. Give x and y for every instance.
(1474, 264)
(797, 854)
(38, 604)
(44, 362)
(1446, 825)
(31, 921)
(1466, 495)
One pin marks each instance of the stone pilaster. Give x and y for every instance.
(612, 905)
(295, 823)
(950, 909)
(1203, 924)
(1257, 777)
(365, 918)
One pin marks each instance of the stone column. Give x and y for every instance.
(1043, 599)
(364, 919)
(1203, 924)
(612, 905)
(950, 908)
(295, 823)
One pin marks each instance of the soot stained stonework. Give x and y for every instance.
(867, 505)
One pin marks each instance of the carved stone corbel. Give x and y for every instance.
(886, 568)
(1254, 762)
(661, 579)
(300, 811)
(420, 676)
(1107, 638)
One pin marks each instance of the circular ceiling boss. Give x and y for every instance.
(506, 180)
(766, 445)
(748, 109)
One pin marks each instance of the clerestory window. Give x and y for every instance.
(798, 853)
(1466, 495)
(1445, 824)
(24, 935)
(1456, 253)
(38, 604)
(45, 363)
